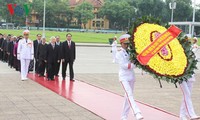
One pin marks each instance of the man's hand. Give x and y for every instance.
(63, 60)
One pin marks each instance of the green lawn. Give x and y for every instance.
(78, 37)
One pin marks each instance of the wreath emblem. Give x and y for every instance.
(175, 62)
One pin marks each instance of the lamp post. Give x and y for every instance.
(193, 18)
(172, 6)
(43, 34)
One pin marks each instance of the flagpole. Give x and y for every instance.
(43, 34)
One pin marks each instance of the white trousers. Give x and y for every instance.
(114, 52)
(186, 104)
(24, 68)
(129, 101)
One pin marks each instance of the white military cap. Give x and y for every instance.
(124, 38)
(195, 38)
(26, 32)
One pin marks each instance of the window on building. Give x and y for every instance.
(98, 23)
(102, 23)
(93, 23)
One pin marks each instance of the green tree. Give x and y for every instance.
(84, 13)
(69, 16)
(56, 12)
(155, 8)
(197, 18)
(118, 13)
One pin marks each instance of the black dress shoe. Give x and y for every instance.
(40, 75)
(72, 80)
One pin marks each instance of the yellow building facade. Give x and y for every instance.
(96, 24)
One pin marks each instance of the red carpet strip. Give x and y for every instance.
(101, 102)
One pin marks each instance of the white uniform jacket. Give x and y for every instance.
(114, 46)
(25, 49)
(126, 72)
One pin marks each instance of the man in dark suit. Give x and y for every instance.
(59, 44)
(52, 57)
(7, 49)
(41, 57)
(1, 51)
(35, 45)
(4, 47)
(10, 50)
(68, 52)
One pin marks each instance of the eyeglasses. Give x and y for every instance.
(26, 34)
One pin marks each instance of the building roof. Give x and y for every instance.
(95, 3)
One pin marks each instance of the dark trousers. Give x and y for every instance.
(5, 56)
(16, 64)
(36, 66)
(1, 55)
(41, 67)
(11, 60)
(51, 70)
(64, 68)
(8, 59)
(57, 68)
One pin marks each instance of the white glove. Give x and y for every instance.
(18, 56)
(32, 56)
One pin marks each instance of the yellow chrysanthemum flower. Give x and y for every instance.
(171, 63)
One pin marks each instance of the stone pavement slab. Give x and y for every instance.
(27, 100)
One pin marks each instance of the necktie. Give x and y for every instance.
(69, 44)
(127, 51)
(26, 40)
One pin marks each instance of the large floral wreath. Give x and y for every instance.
(174, 63)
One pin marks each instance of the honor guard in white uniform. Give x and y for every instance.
(127, 79)
(25, 53)
(187, 110)
(114, 49)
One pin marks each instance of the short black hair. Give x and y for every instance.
(68, 34)
(39, 34)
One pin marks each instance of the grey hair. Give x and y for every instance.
(52, 37)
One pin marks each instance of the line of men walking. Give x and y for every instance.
(20, 51)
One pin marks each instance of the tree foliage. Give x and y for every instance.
(118, 13)
(84, 13)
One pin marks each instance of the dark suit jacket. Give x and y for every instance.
(69, 54)
(1, 42)
(41, 52)
(53, 55)
(4, 45)
(10, 47)
(35, 45)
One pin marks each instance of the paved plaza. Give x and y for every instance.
(30, 101)
(100, 71)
